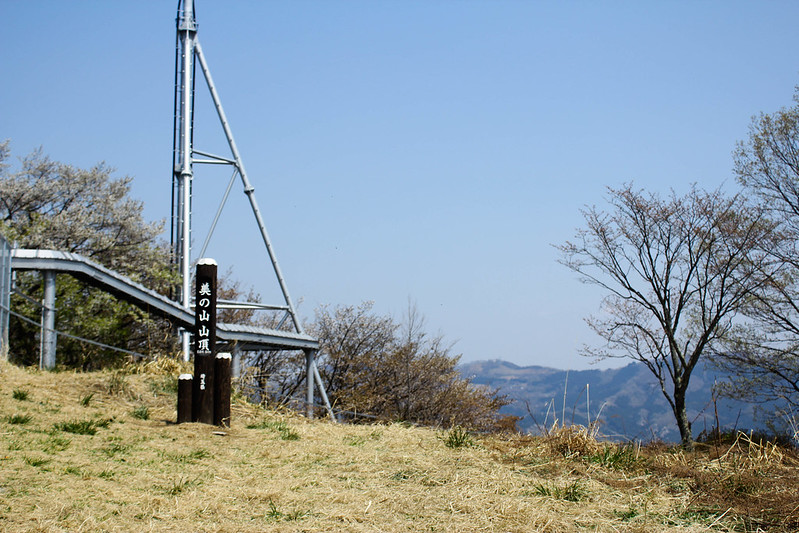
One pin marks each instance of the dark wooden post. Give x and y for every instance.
(184, 398)
(204, 341)
(222, 389)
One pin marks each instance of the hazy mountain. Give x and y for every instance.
(627, 400)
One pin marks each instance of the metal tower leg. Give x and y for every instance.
(310, 362)
(249, 190)
(322, 391)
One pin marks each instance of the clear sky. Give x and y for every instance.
(409, 151)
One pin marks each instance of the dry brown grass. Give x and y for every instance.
(286, 473)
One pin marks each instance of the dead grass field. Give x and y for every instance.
(99, 452)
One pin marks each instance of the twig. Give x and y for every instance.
(717, 519)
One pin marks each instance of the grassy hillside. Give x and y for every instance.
(99, 452)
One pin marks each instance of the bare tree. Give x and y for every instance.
(762, 356)
(397, 371)
(352, 339)
(677, 271)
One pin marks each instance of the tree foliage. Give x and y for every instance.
(677, 271)
(762, 355)
(374, 366)
(51, 205)
(398, 371)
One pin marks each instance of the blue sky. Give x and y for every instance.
(409, 151)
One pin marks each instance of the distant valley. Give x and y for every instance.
(627, 400)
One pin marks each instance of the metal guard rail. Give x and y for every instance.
(247, 337)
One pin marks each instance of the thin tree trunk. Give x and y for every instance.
(680, 413)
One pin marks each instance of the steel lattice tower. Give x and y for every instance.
(189, 55)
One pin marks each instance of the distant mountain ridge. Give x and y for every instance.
(628, 400)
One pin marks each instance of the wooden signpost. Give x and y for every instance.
(209, 399)
(202, 406)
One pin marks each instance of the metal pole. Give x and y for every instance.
(5, 295)
(322, 391)
(248, 188)
(47, 359)
(310, 363)
(235, 365)
(187, 30)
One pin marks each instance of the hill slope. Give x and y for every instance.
(99, 452)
